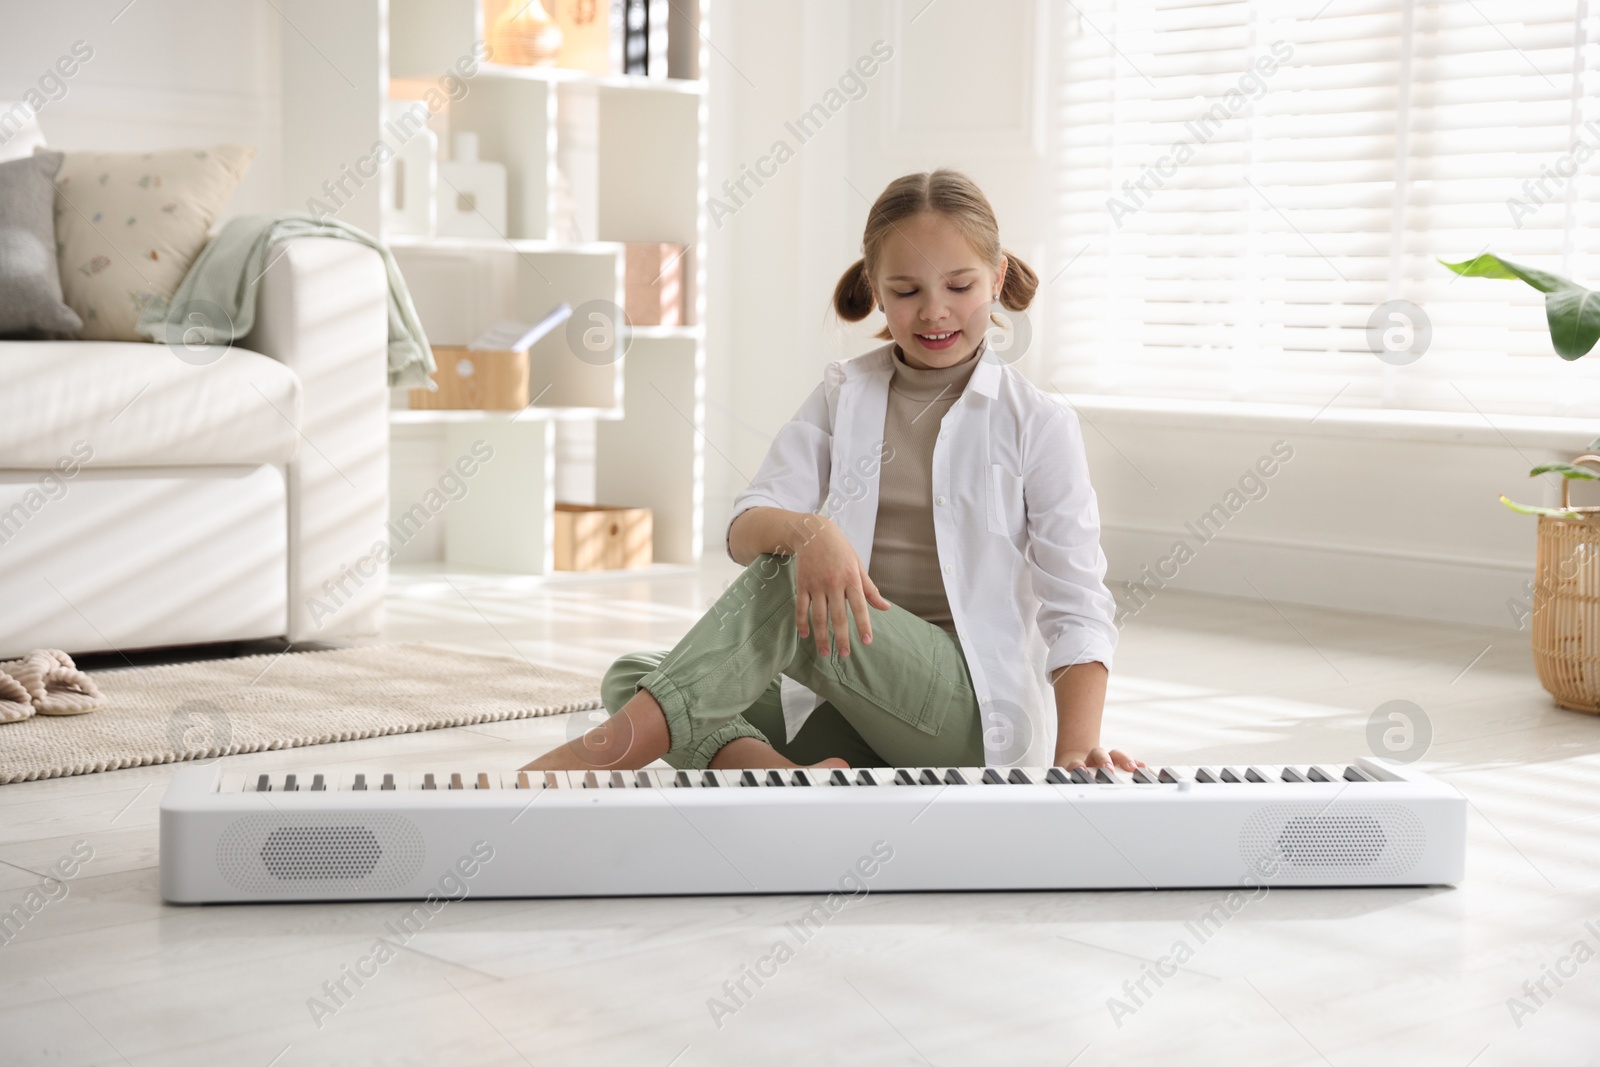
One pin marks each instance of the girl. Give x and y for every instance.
(927, 496)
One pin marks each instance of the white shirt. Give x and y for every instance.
(1015, 520)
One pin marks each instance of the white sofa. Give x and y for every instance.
(151, 500)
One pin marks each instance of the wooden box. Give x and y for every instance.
(592, 537)
(653, 276)
(476, 379)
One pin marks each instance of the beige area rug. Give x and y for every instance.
(186, 711)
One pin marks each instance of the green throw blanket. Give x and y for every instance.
(227, 271)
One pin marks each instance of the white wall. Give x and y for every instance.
(1395, 520)
(164, 74)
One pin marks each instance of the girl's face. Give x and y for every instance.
(935, 291)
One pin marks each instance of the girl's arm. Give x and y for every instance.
(1080, 702)
(767, 529)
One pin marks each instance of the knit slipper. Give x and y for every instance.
(15, 702)
(55, 683)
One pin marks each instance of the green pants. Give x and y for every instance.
(905, 700)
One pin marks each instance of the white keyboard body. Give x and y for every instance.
(329, 835)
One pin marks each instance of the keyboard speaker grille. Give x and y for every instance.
(329, 853)
(1291, 842)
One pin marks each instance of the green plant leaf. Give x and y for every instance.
(1489, 265)
(1534, 509)
(1574, 316)
(1566, 470)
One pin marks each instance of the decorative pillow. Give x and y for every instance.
(20, 135)
(129, 224)
(30, 287)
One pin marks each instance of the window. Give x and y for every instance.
(1242, 184)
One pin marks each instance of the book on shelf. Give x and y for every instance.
(519, 336)
(640, 37)
(650, 38)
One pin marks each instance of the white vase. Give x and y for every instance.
(471, 196)
(406, 194)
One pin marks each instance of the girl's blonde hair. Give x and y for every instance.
(954, 196)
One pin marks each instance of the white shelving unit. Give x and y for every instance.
(628, 433)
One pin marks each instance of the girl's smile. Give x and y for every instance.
(937, 342)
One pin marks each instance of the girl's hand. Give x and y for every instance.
(828, 576)
(1098, 757)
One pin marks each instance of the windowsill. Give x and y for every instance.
(1469, 428)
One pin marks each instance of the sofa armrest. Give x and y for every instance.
(322, 311)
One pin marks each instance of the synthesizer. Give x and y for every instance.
(371, 834)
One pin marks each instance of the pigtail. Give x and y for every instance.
(1017, 291)
(852, 297)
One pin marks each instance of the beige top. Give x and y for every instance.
(905, 557)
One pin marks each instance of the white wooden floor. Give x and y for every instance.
(108, 975)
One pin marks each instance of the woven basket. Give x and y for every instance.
(1566, 604)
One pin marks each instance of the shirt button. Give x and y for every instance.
(938, 500)
(950, 570)
(943, 434)
(985, 700)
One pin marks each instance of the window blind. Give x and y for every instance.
(1242, 183)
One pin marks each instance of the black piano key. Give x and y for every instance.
(483, 781)
(1103, 776)
(929, 776)
(289, 784)
(1203, 774)
(1018, 776)
(1143, 777)
(360, 783)
(748, 778)
(992, 777)
(428, 782)
(1057, 776)
(903, 777)
(710, 778)
(264, 784)
(1356, 774)
(1251, 774)
(618, 781)
(1292, 775)
(681, 780)
(953, 777)
(1166, 775)
(799, 778)
(1230, 775)
(839, 778)
(1082, 776)
(456, 782)
(642, 780)
(388, 782)
(774, 777)
(1317, 774)
(590, 780)
(319, 784)
(552, 780)
(864, 777)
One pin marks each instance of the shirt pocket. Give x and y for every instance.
(1005, 501)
